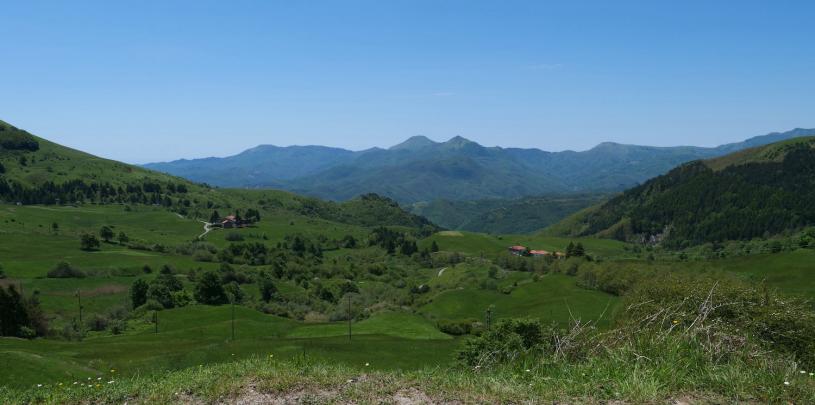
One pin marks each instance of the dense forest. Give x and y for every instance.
(694, 203)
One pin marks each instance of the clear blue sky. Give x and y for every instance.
(144, 81)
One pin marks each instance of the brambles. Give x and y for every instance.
(65, 270)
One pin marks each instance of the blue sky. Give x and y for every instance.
(144, 81)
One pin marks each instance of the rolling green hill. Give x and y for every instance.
(753, 193)
(150, 304)
(496, 216)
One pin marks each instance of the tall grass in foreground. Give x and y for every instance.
(669, 369)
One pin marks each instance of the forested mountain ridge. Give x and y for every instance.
(422, 170)
(757, 192)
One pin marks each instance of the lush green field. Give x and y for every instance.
(406, 338)
(196, 335)
(490, 245)
(554, 298)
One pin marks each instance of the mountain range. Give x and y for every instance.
(420, 169)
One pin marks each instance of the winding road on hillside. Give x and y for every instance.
(207, 228)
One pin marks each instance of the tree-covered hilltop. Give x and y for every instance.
(754, 193)
(34, 170)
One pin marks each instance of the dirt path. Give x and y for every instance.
(207, 228)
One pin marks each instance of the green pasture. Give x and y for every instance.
(554, 298)
(197, 335)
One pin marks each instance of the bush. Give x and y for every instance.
(234, 237)
(118, 326)
(181, 298)
(152, 305)
(159, 292)
(209, 290)
(267, 289)
(89, 242)
(138, 293)
(508, 340)
(724, 309)
(16, 139)
(98, 323)
(457, 327)
(65, 270)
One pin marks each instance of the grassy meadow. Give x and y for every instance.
(404, 335)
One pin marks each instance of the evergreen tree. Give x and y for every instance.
(434, 247)
(578, 250)
(267, 288)
(215, 217)
(570, 249)
(138, 293)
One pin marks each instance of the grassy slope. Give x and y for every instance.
(525, 215)
(478, 244)
(196, 335)
(554, 298)
(267, 380)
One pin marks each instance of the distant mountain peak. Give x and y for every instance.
(413, 143)
(459, 141)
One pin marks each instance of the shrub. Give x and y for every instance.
(456, 327)
(234, 237)
(209, 290)
(267, 289)
(98, 323)
(138, 293)
(508, 340)
(159, 292)
(722, 310)
(118, 326)
(65, 270)
(89, 242)
(181, 298)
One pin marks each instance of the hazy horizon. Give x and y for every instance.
(163, 81)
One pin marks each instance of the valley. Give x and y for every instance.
(116, 273)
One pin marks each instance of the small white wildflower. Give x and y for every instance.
(811, 374)
(528, 370)
(76, 382)
(110, 382)
(98, 378)
(367, 364)
(786, 383)
(39, 385)
(802, 372)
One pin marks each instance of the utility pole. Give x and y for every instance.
(155, 320)
(489, 318)
(349, 317)
(233, 319)
(79, 302)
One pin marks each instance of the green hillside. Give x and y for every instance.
(753, 193)
(165, 298)
(496, 216)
